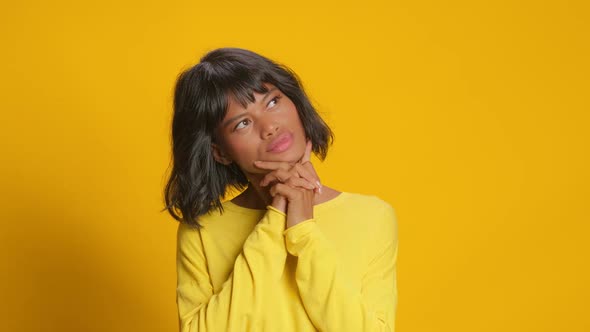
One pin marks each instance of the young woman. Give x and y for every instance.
(288, 253)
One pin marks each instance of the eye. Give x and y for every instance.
(242, 124)
(274, 101)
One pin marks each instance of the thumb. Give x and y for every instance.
(307, 154)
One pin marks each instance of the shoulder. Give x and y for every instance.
(189, 234)
(188, 238)
(232, 220)
(376, 212)
(369, 203)
(214, 216)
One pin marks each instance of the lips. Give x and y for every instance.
(280, 143)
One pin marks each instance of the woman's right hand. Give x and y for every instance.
(280, 203)
(289, 182)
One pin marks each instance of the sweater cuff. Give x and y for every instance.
(297, 237)
(272, 208)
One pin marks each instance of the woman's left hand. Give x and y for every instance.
(298, 183)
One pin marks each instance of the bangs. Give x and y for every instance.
(235, 81)
(243, 90)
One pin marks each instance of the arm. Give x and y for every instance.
(327, 294)
(237, 305)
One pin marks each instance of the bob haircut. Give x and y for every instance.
(197, 182)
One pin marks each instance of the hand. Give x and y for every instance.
(297, 183)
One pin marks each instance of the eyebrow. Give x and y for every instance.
(268, 93)
(232, 119)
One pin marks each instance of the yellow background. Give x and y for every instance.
(470, 117)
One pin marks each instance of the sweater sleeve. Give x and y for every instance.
(237, 305)
(328, 296)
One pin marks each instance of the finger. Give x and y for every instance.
(286, 191)
(297, 170)
(277, 175)
(307, 154)
(300, 182)
(308, 172)
(308, 166)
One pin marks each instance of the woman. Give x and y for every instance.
(288, 253)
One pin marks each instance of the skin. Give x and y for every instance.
(285, 180)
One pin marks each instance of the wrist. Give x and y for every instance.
(279, 203)
(294, 219)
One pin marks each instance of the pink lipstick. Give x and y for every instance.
(281, 143)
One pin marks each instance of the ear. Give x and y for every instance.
(219, 155)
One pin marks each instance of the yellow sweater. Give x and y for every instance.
(243, 271)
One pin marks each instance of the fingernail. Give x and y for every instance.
(319, 184)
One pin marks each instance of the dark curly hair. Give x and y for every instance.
(197, 183)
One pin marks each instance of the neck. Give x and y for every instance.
(255, 196)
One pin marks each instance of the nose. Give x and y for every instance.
(269, 128)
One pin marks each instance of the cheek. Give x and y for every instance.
(293, 114)
(242, 148)
(294, 118)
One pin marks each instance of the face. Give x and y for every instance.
(268, 129)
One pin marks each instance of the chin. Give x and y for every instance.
(288, 157)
